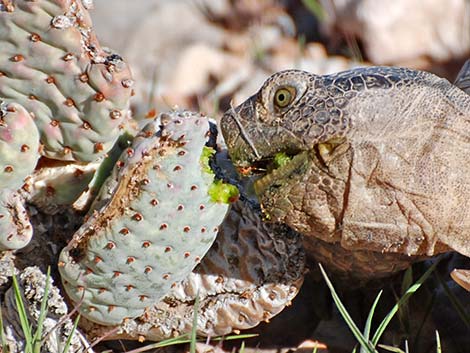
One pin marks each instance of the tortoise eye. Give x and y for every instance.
(283, 97)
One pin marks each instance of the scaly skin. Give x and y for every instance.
(379, 165)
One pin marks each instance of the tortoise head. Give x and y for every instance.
(271, 121)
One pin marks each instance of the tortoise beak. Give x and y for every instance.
(239, 140)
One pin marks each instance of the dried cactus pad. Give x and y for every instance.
(15, 228)
(159, 221)
(52, 64)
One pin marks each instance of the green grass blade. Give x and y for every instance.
(369, 319)
(42, 314)
(404, 311)
(185, 338)
(349, 321)
(438, 343)
(242, 348)
(422, 324)
(169, 342)
(69, 339)
(391, 349)
(3, 339)
(383, 325)
(315, 349)
(192, 344)
(457, 305)
(315, 7)
(23, 316)
(234, 337)
(407, 280)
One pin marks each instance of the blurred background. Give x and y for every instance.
(201, 54)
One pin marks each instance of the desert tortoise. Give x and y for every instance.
(374, 165)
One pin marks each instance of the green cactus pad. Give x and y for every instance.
(19, 145)
(52, 64)
(151, 228)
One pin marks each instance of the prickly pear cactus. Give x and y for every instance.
(19, 145)
(52, 64)
(251, 273)
(159, 219)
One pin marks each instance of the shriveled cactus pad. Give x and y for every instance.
(157, 222)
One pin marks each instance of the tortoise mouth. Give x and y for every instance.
(274, 170)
